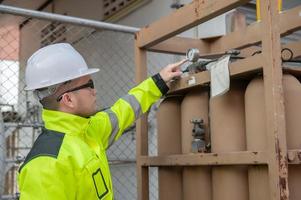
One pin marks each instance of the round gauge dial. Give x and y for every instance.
(193, 55)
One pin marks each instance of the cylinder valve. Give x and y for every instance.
(198, 132)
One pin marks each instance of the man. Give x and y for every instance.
(68, 160)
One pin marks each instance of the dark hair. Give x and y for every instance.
(50, 103)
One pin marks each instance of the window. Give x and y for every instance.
(116, 9)
(53, 33)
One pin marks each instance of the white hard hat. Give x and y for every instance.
(55, 64)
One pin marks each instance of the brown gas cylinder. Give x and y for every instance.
(256, 138)
(292, 99)
(169, 142)
(256, 134)
(227, 123)
(196, 180)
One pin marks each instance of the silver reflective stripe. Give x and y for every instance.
(115, 126)
(134, 104)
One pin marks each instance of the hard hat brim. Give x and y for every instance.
(84, 73)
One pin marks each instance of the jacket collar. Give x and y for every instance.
(64, 122)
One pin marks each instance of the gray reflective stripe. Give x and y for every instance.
(115, 126)
(134, 104)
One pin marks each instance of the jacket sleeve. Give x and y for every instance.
(108, 126)
(45, 179)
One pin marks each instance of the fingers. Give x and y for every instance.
(172, 70)
(177, 64)
(177, 73)
(183, 61)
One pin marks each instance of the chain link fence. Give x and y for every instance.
(110, 51)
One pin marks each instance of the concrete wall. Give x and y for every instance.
(90, 9)
(148, 13)
(154, 11)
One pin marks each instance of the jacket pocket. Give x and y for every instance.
(98, 178)
(100, 184)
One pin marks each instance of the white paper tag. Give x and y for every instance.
(191, 81)
(220, 77)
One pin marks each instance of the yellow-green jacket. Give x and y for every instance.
(68, 159)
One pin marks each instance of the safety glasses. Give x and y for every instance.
(90, 84)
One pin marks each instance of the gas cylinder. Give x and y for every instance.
(292, 99)
(256, 138)
(227, 123)
(194, 111)
(169, 142)
(256, 133)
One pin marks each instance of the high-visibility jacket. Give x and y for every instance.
(68, 159)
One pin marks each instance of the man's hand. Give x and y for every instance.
(172, 71)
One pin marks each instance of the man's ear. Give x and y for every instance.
(68, 100)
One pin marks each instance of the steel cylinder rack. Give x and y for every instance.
(242, 145)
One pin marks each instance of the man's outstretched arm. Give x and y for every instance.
(111, 123)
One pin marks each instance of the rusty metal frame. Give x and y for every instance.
(161, 37)
(235, 158)
(242, 38)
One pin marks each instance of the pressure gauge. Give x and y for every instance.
(193, 55)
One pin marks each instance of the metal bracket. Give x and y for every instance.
(200, 65)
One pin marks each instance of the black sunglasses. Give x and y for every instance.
(90, 84)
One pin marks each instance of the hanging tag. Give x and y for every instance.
(191, 81)
(220, 76)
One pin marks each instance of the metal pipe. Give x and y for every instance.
(2, 155)
(17, 159)
(258, 14)
(67, 19)
(280, 5)
(122, 162)
(9, 197)
(20, 125)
